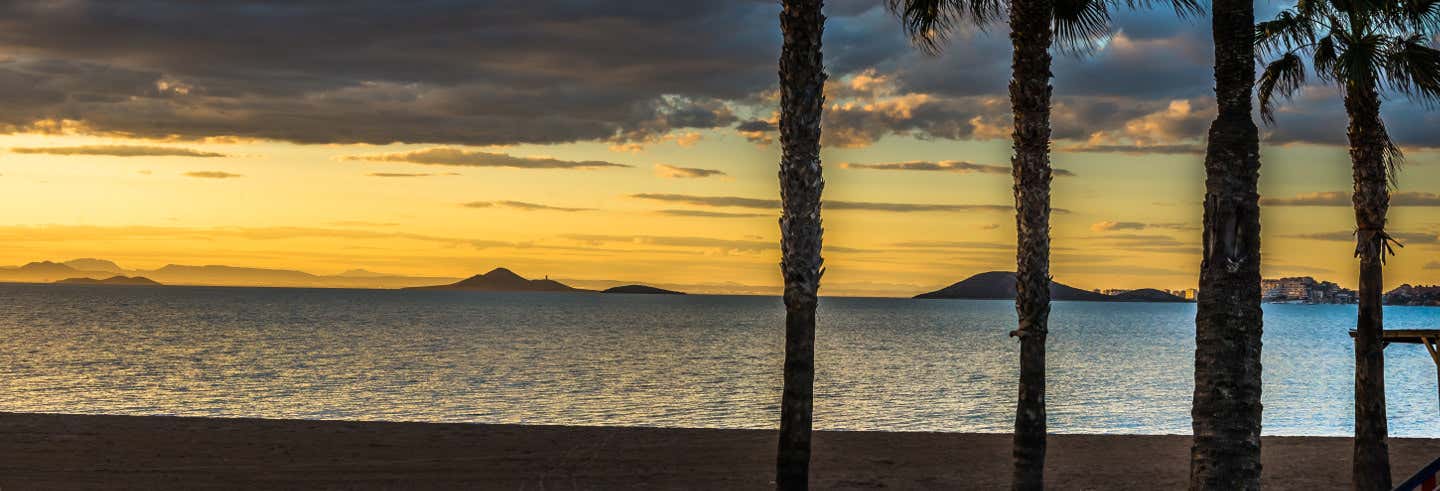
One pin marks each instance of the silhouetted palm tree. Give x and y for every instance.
(802, 96)
(1364, 46)
(1225, 412)
(1035, 25)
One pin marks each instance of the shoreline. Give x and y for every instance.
(58, 451)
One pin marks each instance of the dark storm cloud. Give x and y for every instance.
(556, 71)
(377, 72)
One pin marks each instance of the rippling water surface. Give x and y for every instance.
(638, 360)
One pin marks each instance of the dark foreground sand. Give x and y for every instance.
(63, 451)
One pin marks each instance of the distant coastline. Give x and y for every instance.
(992, 285)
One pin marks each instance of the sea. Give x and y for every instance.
(882, 364)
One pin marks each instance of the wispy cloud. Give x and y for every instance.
(520, 205)
(1349, 236)
(118, 151)
(212, 174)
(404, 174)
(1341, 198)
(722, 245)
(471, 158)
(1169, 149)
(673, 172)
(951, 244)
(1109, 226)
(710, 214)
(956, 166)
(772, 204)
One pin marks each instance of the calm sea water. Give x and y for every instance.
(635, 360)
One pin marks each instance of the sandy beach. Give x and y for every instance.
(41, 451)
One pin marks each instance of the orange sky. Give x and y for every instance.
(1128, 220)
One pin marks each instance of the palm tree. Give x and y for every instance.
(1035, 25)
(1225, 411)
(1363, 46)
(802, 88)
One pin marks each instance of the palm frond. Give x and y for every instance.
(1324, 58)
(1413, 68)
(1080, 24)
(1184, 9)
(1417, 15)
(1289, 30)
(929, 23)
(1282, 77)
(1361, 61)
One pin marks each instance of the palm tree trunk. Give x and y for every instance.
(1368, 148)
(1030, 37)
(1226, 412)
(802, 87)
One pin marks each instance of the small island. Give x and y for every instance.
(113, 280)
(642, 290)
(1000, 285)
(503, 280)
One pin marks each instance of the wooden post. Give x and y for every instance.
(1433, 346)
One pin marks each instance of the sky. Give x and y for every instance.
(633, 141)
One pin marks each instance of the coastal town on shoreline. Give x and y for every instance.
(1309, 291)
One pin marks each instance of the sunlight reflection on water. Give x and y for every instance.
(636, 360)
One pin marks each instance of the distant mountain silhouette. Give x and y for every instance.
(642, 289)
(215, 275)
(502, 280)
(113, 280)
(362, 273)
(1145, 295)
(45, 272)
(92, 264)
(1000, 285)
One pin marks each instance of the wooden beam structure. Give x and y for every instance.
(1429, 338)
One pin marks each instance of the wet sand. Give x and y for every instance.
(40, 451)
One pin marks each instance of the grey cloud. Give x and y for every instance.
(471, 158)
(118, 151)
(755, 125)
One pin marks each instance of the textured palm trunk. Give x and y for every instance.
(1226, 411)
(802, 87)
(1030, 37)
(1371, 463)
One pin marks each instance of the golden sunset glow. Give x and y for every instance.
(619, 171)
